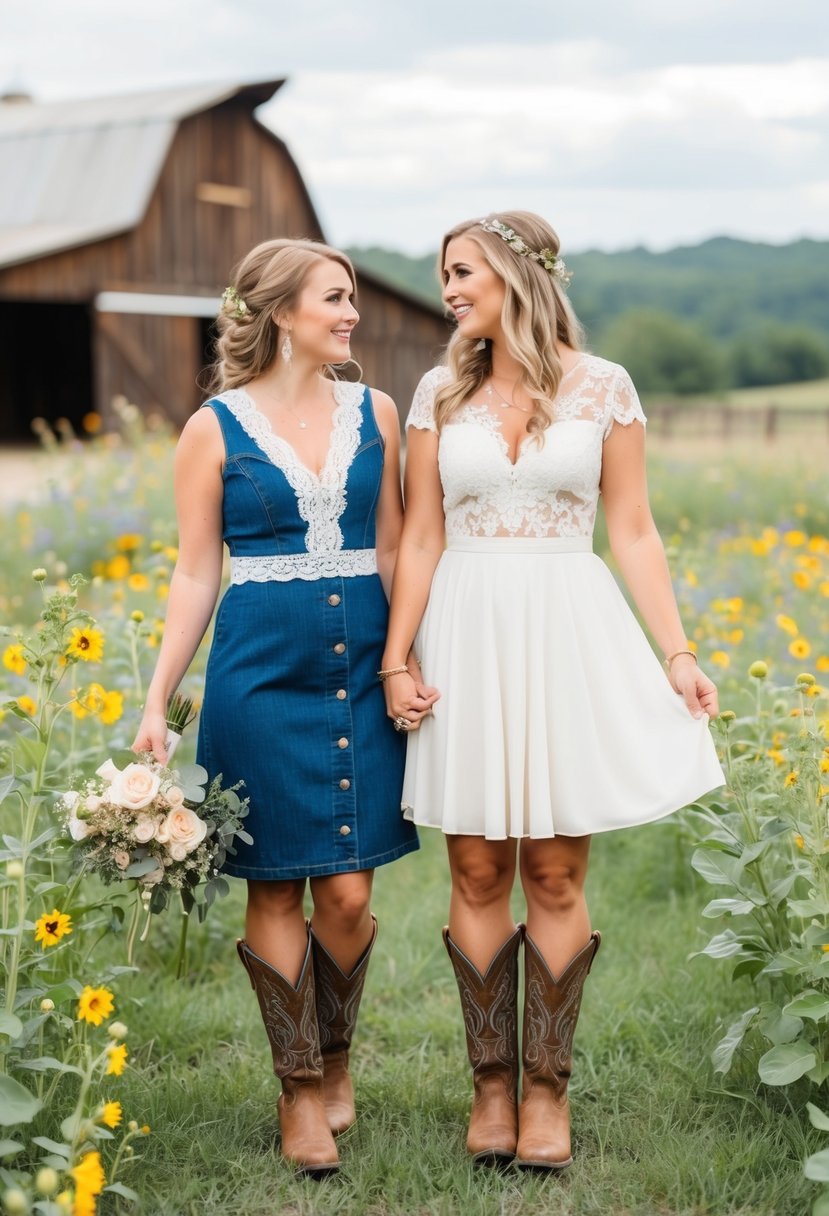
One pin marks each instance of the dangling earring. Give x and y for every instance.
(480, 344)
(287, 350)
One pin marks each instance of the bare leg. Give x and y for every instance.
(552, 875)
(480, 919)
(275, 924)
(342, 919)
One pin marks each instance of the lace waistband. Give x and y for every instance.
(284, 567)
(520, 544)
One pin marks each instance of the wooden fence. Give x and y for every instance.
(717, 421)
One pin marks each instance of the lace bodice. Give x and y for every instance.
(552, 489)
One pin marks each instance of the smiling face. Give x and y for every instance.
(321, 323)
(472, 289)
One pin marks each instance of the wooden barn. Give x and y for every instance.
(120, 219)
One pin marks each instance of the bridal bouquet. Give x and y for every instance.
(165, 827)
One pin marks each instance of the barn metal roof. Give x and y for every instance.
(80, 171)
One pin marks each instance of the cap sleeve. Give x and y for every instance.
(422, 413)
(623, 404)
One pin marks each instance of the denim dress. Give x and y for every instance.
(292, 704)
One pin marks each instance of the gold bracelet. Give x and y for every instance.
(382, 676)
(670, 658)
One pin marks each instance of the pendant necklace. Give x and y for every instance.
(503, 401)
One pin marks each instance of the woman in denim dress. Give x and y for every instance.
(298, 474)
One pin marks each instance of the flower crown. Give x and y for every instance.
(552, 263)
(233, 305)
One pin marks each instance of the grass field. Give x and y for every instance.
(657, 1132)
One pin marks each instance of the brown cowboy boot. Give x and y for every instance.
(291, 1024)
(490, 1013)
(551, 1010)
(338, 1001)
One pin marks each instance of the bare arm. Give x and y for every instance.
(421, 545)
(640, 555)
(390, 499)
(194, 586)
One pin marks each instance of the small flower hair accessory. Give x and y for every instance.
(550, 261)
(233, 305)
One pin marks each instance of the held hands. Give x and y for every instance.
(694, 686)
(408, 699)
(151, 736)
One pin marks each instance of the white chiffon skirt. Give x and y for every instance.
(556, 717)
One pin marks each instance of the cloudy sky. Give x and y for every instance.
(623, 121)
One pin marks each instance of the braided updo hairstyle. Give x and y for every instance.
(268, 282)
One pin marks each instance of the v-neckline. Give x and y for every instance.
(280, 441)
(498, 431)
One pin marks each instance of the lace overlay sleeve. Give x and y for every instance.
(422, 414)
(623, 405)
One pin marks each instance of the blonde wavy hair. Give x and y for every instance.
(535, 315)
(269, 280)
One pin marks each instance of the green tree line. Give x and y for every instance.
(721, 314)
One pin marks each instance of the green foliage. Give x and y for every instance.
(731, 297)
(663, 354)
(783, 354)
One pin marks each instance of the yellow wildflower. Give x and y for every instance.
(138, 582)
(86, 644)
(814, 690)
(171, 553)
(791, 779)
(95, 1004)
(111, 1114)
(801, 580)
(776, 755)
(824, 764)
(113, 707)
(823, 587)
(13, 659)
(799, 649)
(117, 1059)
(720, 658)
(799, 841)
(128, 541)
(795, 538)
(786, 624)
(822, 662)
(736, 636)
(162, 591)
(51, 927)
(118, 567)
(28, 705)
(691, 578)
(90, 1180)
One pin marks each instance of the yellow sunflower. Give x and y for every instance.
(117, 1059)
(111, 1114)
(13, 659)
(86, 644)
(51, 927)
(95, 1004)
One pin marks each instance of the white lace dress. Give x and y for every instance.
(556, 716)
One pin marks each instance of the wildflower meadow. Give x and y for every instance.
(135, 1078)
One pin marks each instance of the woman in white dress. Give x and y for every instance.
(556, 719)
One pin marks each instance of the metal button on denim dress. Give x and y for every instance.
(292, 704)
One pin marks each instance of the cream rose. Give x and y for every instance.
(92, 802)
(174, 796)
(182, 826)
(154, 876)
(134, 787)
(121, 858)
(78, 830)
(144, 828)
(177, 851)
